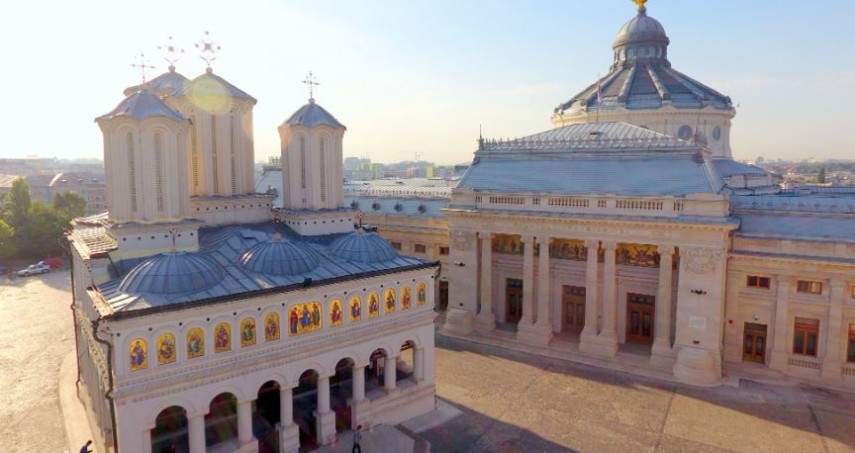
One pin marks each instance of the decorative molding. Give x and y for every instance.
(701, 261)
(462, 240)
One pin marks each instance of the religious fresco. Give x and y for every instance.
(373, 305)
(568, 249)
(247, 332)
(271, 326)
(195, 343)
(406, 297)
(509, 244)
(355, 308)
(139, 354)
(222, 337)
(644, 255)
(421, 294)
(165, 348)
(389, 301)
(336, 313)
(304, 318)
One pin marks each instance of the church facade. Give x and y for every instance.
(207, 319)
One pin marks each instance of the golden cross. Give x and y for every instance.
(640, 3)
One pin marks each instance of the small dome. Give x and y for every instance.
(362, 247)
(311, 115)
(641, 27)
(164, 84)
(140, 105)
(171, 273)
(279, 257)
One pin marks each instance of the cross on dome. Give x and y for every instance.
(141, 63)
(170, 53)
(641, 7)
(311, 82)
(208, 50)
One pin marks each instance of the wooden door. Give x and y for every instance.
(640, 311)
(754, 343)
(573, 301)
(513, 298)
(443, 295)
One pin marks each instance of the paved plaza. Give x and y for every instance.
(510, 401)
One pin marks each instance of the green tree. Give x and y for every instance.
(19, 204)
(43, 236)
(69, 205)
(6, 240)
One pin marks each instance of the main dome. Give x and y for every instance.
(172, 273)
(279, 257)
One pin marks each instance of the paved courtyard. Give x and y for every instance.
(510, 401)
(514, 402)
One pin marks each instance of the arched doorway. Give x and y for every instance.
(305, 405)
(375, 374)
(341, 390)
(266, 416)
(406, 364)
(170, 431)
(221, 422)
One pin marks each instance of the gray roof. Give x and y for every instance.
(395, 205)
(729, 167)
(641, 76)
(223, 247)
(172, 273)
(311, 115)
(164, 84)
(205, 83)
(363, 247)
(798, 226)
(789, 202)
(609, 157)
(279, 257)
(140, 105)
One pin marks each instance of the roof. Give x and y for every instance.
(210, 84)
(172, 273)
(798, 226)
(223, 248)
(8, 180)
(140, 105)
(605, 158)
(164, 84)
(311, 115)
(729, 167)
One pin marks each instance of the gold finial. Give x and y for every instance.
(640, 3)
(208, 50)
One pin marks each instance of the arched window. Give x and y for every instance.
(214, 167)
(158, 169)
(302, 162)
(323, 170)
(233, 151)
(132, 172)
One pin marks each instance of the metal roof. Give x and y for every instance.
(209, 84)
(798, 226)
(140, 105)
(363, 247)
(164, 84)
(279, 257)
(311, 115)
(728, 167)
(172, 273)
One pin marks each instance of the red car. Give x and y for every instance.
(53, 263)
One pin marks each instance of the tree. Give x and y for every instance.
(19, 204)
(42, 237)
(820, 178)
(6, 239)
(69, 205)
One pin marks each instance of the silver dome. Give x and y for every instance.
(279, 257)
(362, 247)
(172, 273)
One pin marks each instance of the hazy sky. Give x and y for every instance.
(421, 76)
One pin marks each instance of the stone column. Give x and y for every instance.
(358, 383)
(832, 364)
(592, 280)
(359, 405)
(196, 433)
(528, 281)
(419, 364)
(541, 331)
(146, 440)
(390, 373)
(485, 321)
(780, 346)
(609, 333)
(324, 416)
(661, 351)
(245, 438)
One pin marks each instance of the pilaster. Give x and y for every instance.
(485, 321)
(592, 281)
(832, 365)
(778, 358)
(662, 353)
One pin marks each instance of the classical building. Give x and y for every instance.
(628, 236)
(205, 320)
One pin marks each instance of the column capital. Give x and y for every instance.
(527, 238)
(485, 235)
(610, 245)
(544, 239)
(592, 243)
(665, 249)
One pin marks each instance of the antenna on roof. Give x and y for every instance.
(141, 63)
(480, 139)
(311, 82)
(170, 53)
(208, 50)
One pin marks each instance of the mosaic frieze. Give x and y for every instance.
(389, 303)
(406, 297)
(336, 313)
(355, 311)
(421, 293)
(138, 354)
(247, 332)
(195, 343)
(222, 337)
(271, 326)
(166, 350)
(373, 305)
(643, 255)
(304, 318)
(568, 249)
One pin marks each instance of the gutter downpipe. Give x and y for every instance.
(107, 394)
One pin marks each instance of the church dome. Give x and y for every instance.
(311, 115)
(164, 84)
(279, 257)
(641, 28)
(362, 247)
(172, 273)
(140, 105)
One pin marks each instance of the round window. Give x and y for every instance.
(685, 132)
(716, 133)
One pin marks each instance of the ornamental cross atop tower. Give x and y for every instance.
(170, 53)
(142, 64)
(207, 50)
(640, 4)
(311, 83)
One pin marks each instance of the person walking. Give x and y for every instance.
(357, 437)
(85, 448)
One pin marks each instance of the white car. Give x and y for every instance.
(34, 269)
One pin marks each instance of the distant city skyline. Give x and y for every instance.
(423, 77)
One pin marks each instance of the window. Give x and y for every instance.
(853, 291)
(850, 357)
(805, 336)
(396, 245)
(132, 172)
(323, 165)
(215, 171)
(443, 250)
(419, 248)
(759, 282)
(805, 286)
(158, 169)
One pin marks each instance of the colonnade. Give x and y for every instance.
(600, 331)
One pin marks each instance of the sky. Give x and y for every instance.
(421, 77)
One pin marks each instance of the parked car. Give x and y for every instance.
(34, 269)
(53, 262)
(5, 269)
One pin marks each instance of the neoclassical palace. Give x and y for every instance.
(207, 319)
(628, 236)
